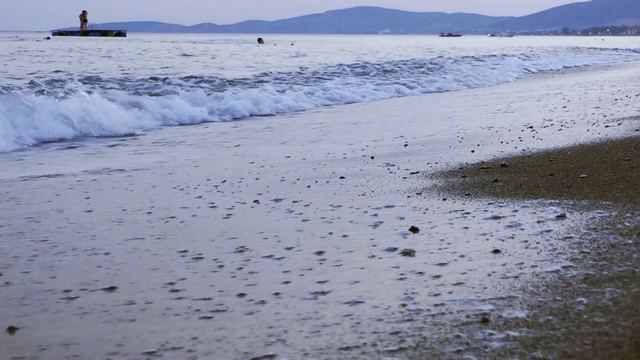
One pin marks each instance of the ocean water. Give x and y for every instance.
(70, 88)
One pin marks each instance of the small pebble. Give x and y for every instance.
(408, 252)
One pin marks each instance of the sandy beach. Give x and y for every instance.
(328, 235)
(593, 309)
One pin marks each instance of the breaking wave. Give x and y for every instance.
(64, 108)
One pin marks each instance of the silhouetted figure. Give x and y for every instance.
(84, 20)
(260, 41)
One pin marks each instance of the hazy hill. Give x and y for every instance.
(368, 20)
(357, 20)
(577, 16)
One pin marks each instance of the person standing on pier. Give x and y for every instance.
(84, 20)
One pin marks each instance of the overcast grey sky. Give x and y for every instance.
(51, 14)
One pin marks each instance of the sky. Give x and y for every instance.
(28, 15)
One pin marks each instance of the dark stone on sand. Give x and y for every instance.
(354, 302)
(496, 251)
(241, 295)
(11, 329)
(408, 252)
(319, 253)
(264, 357)
(321, 292)
(391, 249)
(414, 229)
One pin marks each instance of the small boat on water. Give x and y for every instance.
(449, 35)
(501, 35)
(93, 33)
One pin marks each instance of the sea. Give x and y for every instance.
(202, 196)
(70, 88)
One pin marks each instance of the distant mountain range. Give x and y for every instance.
(376, 20)
(577, 16)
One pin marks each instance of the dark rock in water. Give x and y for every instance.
(109, 289)
(504, 165)
(319, 253)
(241, 295)
(414, 229)
(11, 329)
(561, 216)
(408, 252)
(391, 249)
(496, 251)
(485, 320)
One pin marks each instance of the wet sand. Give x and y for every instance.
(591, 312)
(603, 171)
(293, 237)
